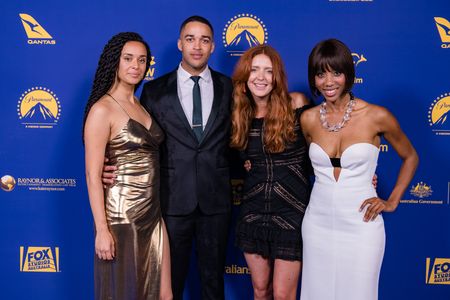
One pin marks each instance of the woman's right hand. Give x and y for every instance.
(104, 245)
(247, 165)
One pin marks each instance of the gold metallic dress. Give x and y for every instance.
(134, 217)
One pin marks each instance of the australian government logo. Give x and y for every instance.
(420, 193)
(358, 59)
(36, 34)
(438, 113)
(39, 259)
(437, 271)
(443, 27)
(39, 107)
(243, 32)
(150, 75)
(235, 269)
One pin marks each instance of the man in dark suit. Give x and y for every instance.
(192, 106)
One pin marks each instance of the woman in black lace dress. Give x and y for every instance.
(265, 127)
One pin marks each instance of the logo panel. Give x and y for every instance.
(358, 59)
(437, 270)
(7, 183)
(243, 32)
(36, 34)
(438, 113)
(443, 27)
(39, 259)
(420, 192)
(39, 108)
(150, 75)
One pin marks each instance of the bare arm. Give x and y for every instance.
(96, 135)
(394, 135)
(298, 100)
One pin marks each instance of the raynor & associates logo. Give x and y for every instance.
(7, 183)
(443, 27)
(39, 259)
(36, 34)
(438, 113)
(243, 32)
(437, 271)
(39, 107)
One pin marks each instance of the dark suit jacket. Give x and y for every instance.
(192, 172)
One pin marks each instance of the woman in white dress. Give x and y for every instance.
(343, 230)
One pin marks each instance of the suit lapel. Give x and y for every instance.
(176, 104)
(218, 92)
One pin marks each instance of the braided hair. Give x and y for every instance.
(107, 68)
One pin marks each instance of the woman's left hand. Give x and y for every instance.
(375, 207)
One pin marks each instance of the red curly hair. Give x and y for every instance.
(279, 120)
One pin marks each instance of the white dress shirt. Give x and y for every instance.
(185, 86)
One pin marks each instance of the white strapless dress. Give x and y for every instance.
(342, 254)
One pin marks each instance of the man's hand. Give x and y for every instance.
(108, 175)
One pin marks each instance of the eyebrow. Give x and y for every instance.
(203, 36)
(143, 55)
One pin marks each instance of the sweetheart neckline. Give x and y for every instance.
(342, 154)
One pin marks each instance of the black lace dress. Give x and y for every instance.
(275, 195)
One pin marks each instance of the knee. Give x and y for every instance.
(283, 294)
(262, 291)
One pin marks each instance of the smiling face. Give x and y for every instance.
(196, 45)
(132, 65)
(331, 84)
(261, 77)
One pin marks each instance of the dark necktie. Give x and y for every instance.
(197, 124)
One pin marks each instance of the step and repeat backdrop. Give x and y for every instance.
(49, 53)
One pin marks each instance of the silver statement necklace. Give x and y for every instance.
(345, 118)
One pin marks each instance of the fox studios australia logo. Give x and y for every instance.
(39, 259)
(151, 70)
(36, 34)
(39, 107)
(443, 27)
(438, 113)
(242, 32)
(437, 271)
(358, 59)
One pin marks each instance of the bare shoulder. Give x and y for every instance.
(298, 99)
(103, 109)
(310, 115)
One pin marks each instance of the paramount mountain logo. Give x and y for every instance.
(36, 34)
(39, 107)
(242, 32)
(438, 113)
(443, 27)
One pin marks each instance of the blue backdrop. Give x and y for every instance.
(49, 54)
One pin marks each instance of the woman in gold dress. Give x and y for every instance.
(131, 245)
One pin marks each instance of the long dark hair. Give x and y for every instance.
(108, 64)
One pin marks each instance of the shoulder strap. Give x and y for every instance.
(119, 104)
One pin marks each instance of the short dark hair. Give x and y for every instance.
(196, 19)
(331, 54)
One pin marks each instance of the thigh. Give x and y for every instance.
(285, 278)
(260, 270)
